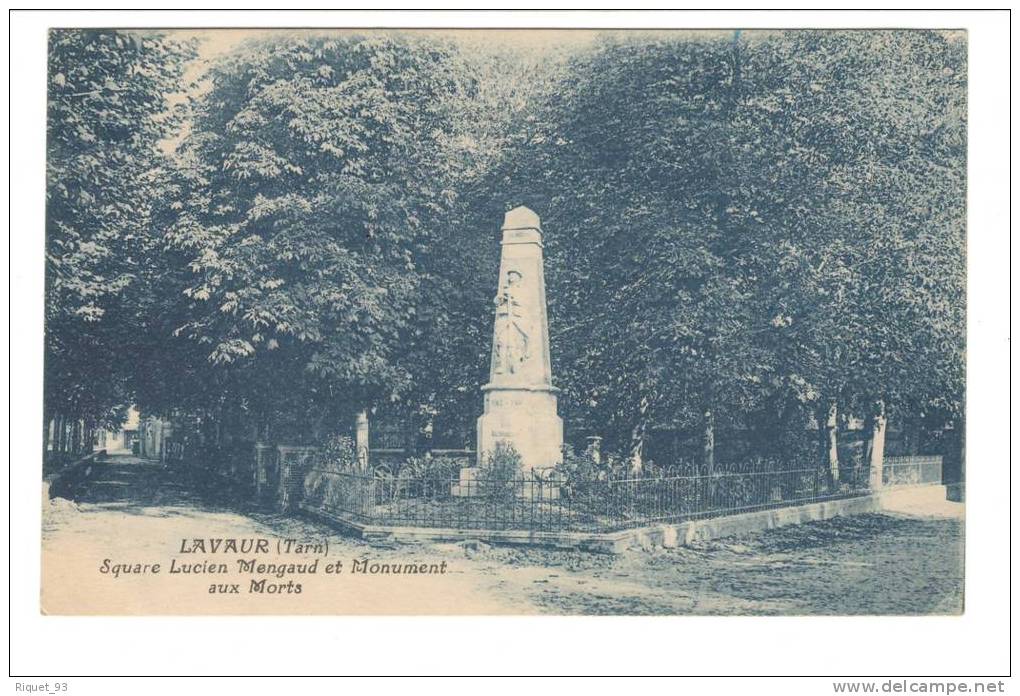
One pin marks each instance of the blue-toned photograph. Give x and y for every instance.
(475, 322)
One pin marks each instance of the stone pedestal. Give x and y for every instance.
(519, 399)
(526, 419)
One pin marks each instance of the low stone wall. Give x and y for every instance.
(647, 538)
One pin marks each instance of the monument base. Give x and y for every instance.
(524, 418)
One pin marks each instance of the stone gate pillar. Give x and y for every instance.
(520, 399)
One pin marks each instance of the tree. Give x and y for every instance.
(744, 231)
(869, 142)
(734, 225)
(107, 115)
(317, 169)
(626, 162)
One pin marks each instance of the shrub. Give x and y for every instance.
(428, 477)
(500, 472)
(443, 472)
(339, 454)
(579, 468)
(580, 471)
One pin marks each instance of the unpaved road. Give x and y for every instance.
(139, 513)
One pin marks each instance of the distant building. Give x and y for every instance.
(120, 441)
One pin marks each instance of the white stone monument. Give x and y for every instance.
(519, 399)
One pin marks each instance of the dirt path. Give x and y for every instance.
(138, 513)
(869, 564)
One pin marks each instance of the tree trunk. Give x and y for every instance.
(75, 436)
(58, 435)
(637, 447)
(69, 437)
(954, 461)
(65, 435)
(962, 487)
(361, 442)
(708, 455)
(830, 442)
(637, 438)
(913, 435)
(46, 438)
(876, 445)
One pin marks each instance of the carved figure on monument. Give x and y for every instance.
(511, 329)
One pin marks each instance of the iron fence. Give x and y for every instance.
(596, 505)
(912, 470)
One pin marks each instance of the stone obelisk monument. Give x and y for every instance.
(519, 399)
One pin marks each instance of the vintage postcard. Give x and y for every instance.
(504, 322)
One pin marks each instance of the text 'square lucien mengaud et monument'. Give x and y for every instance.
(519, 399)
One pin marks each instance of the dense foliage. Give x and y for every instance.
(742, 231)
(108, 112)
(746, 228)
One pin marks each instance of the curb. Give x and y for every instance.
(670, 535)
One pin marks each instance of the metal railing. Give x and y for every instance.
(599, 504)
(912, 470)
